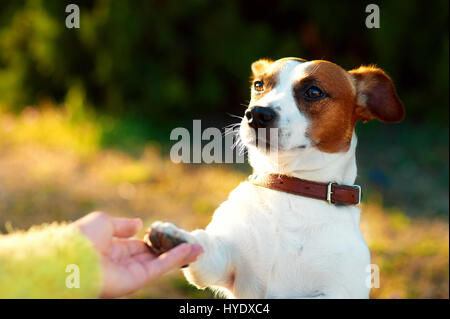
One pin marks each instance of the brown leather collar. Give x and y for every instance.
(333, 193)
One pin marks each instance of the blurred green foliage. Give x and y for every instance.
(176, 59)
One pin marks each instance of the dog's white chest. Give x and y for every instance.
(303, 242)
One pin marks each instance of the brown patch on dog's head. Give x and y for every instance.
(364, 94)
(268, 71)
(260, 66)
(331, 117)
(376, 96)
(262, 71)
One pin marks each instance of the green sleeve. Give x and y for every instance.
(49, 261)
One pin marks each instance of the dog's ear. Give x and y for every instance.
(260, 66)
(376, 96)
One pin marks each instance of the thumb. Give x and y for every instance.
(172, 259)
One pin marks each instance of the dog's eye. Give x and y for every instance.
(258, 85)
(313, 93)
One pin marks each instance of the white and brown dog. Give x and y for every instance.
(293, 232)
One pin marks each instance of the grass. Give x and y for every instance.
(57, 166)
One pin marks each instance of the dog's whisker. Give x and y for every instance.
(236, 116)
(233, 129)
(242, 149)
(229, 130)
(237, 142)
(232, 125)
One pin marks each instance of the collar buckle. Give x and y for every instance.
(359, 193)
(329, 192)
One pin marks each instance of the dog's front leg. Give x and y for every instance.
(212, 268)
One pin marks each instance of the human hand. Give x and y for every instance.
(127, 263)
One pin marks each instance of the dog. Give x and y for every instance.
(292, 230)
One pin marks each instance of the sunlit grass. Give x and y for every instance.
(53, 166)
(51, 128)
(412, 253)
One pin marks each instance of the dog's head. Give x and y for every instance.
(314, 105)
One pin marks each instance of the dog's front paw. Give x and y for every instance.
(162, 237)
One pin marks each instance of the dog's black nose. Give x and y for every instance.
(260, 117)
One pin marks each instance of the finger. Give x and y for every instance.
(126, 227)
(172, 259)
(195, 252)
(147, 256)
(127, 247)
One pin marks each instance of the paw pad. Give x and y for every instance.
(161, 237)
